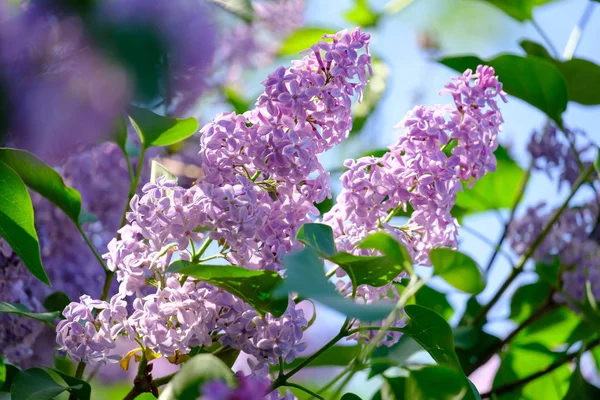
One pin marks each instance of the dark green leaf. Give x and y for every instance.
(318, 237)
(580, 389)
(495, 190)
(431, 298)
(472, 344)
(19, 309)
(361, 14)
(306, 277)
(240, 8)
(521, 10)
(303, 39)
(37, 384)
(43, 179)
(252, 286)
(324, 206)
(350, 396)
(56, 301)
(389, 247)
(120, 133)
(395, 356)
(457, 269)
(532, 79)
(372, 95)
(582, 76)
(333, 356)
(194, 372)
(527, 299)
(2, 372)
(16, 221)
(433, 333)
(522, 361)
(10, 373)
(156, 130)
(392, 389)
(78, 387)
(436, 382)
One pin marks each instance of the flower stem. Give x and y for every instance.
(536, 243)
(545, 38)
(510, 387)
(297, 386)
(577, 31)
(92, 247)
(134, 183)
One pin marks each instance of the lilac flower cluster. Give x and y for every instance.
(569, 240)
(551, 151)
(441, 147)
(262, 177)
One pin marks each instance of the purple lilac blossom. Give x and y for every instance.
(417, 172)
(569, 240)
(551, 152)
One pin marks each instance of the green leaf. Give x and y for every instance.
(521, 10)
(527, 299)
(19, 309)
(120, 133)
(56, 301)
(433, 333)
(306, 277)
(431, 298)
(318, 237)
(389, 247)
(303, 39)
(324, 206)
(472, 344)
(361, 14)
(254, 287)
(580, 388)
(522, 361)
(240, 105)
(367, 270)
(582, 76)
(156, 130)
(449, 384)
(157, 170)
(552, 329)
(16, 221)
(2, 372)
(78, 387)
(240, 8)
(457, 269)
(350, 396)
(10, 373)
(395, 6)
(37, 384)
(372, 95)
(532, 79)
(43, 179)
(494, 191)
(334, 356)
(395, 356)
(194, 372)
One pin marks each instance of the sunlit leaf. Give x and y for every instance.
(303, 39)
(254, 287)
(158, 170)
(240, 8)
(458, 269)
(361, 14)
(156, 130)
(16, 221)
(496, 190)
